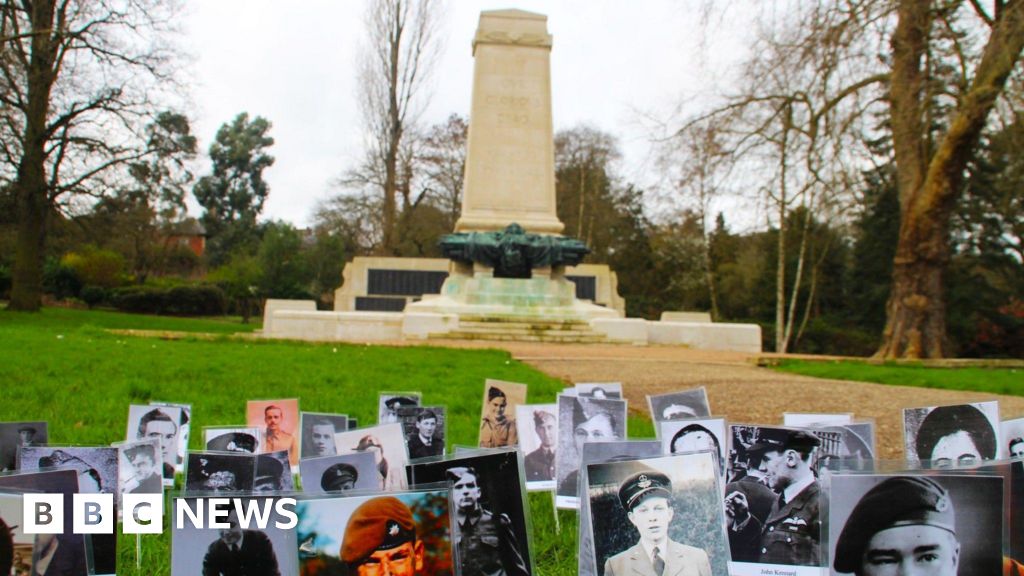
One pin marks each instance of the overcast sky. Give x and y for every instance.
(614, 65)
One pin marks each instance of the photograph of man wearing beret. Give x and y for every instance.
(790, 533)
(935, 525)
(380, 538)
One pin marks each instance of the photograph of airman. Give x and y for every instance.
(339, 473)
(927, 524)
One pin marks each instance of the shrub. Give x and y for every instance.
(139, 299)
(187, 300)
(92, 295)
(5, 281)
(96, 266)
(60, 280)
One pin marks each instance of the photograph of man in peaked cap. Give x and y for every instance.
(389, 403)
(339, 473)
(232, 439)
(791, 531)
(381, 538)
(936, 525)
(340, 477)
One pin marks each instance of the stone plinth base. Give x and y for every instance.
(707, 335)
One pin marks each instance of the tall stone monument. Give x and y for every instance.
(510, 160)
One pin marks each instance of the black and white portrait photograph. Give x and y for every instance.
(941, 524)
(318, 430)
(339, 473)
(387, 444)
(582, 420)
(424, 428)
(232, 439)
(489, 498)
(139, 467)
(96, 466)
(15, 546)
(848, 446)
(14, 435)
(951, 436)
(815, 420)
(402, 534)
(273, 473)
(388, 404)
(163, 422)
(1012, 472)
(657, 516)
(538, 440)
(593, 453)
(498, 427)
(679, 436)
(679, 406)
(773, 498)
(599, 390)
(219, 472)
(184, 430)
(1013, 437)
(236, 550)
(62, 554)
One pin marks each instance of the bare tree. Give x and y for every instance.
(78, 82)
(402, 46)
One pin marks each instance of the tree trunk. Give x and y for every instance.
(31, 188)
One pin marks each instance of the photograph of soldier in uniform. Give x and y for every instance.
(388, 404)
(387, 444)
(318, 430)
(273, 473)
(599, 390)
(582, 420)
(62, 554)
(139, 468)
(14, 435)
(1013, 437)
(498, 415)
(184, 430)
(781, 525)
(232, 439)
(680, 405)
(815, 420)
(538, 440)
(400, 534)
(657, 516)
(951, 436)
(278, 421)
(163, 422)
(15, 546)
(679, 436)
(935, 524)
(219, 472)
(488, 495)
(424, 429)
(237, 550)
(339, 473)
(593, 453)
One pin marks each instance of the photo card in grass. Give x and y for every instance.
(14, 435)
(339, 473)
(538, 439)
(219, 472)
(387, 444)
(498, 413)
(388, 404)
(679, 405)
(679, 436)
(425, 429)
(1013, 437)
(163, 422)
(279, 422)
(599, 390)
(184, 431)
(246, 439)
(139, 468)
(952, 436)
(582, 420)
(318, 430)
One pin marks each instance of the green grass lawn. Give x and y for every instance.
(993, 380)
(63, 367)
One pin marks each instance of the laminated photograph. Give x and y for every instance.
(809, 419)
(593, 453)
(14, 435)
(498, 415)
(679, 436)
(71, 554)
(232, 439)
(219, 472)
(16, 547)
(255, 541)
(388, 404)
(387, 444)
(538, 440)
(97, 467)
(952, 436)
(853, 443)
(339, 473)
(582, 420)
(1013, 437)
(773, 501)
(657, 516)
(318, 430)
(278, 421)
(491, 520)
(680, 405)
(273, 473)
(184, 431)
(1012, 472)
(163, 422)
(139, 468)
(399, 534)
(935, 523)
(599, 390)
(424, 428)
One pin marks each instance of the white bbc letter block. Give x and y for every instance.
(42, 514)
(143, 513)
(94, 514)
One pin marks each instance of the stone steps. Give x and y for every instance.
(519, 329)
(499, 337)
(525, 327)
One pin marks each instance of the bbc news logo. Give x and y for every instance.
(143, 513)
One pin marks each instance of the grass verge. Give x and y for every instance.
(992, 380)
